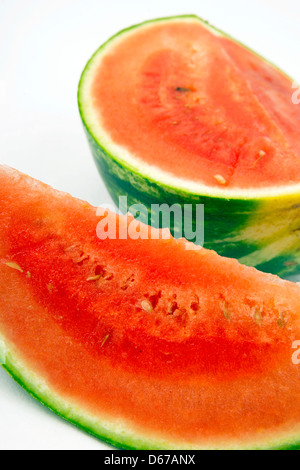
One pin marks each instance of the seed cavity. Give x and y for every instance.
(154, 299)
(100, 273)
(77, 254)
(128, 282)
(83, 257)
(99, 270)
(195, 304)
(13, 265)
(172, 308)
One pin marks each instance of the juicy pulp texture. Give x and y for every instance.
(193, 96)
(173, 348)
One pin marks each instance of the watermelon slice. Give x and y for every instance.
(143, 342)
(178, 112)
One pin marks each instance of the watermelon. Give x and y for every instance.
(140, 340)
(178, 112)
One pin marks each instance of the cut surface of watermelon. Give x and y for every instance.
(143, 342)
(197, 117)
(238, 122)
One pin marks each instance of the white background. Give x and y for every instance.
(44, 45)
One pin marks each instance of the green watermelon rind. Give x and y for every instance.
(72, 413)
(222, 236)
(232, 217)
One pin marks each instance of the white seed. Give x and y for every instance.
(147, 306)
(94, 278)
(105, 339)
(257, 315)
(220, 179)
(282, 319)
(226, 310)
(14, 266)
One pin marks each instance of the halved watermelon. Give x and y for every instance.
(178, 112)
(143, 342)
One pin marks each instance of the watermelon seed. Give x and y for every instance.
(261, 154)
(182, 89)
(68, 249)
(220, 179)
(257, 315)
(182, 317)
(147, 306)
(94, 278)
(105, 339)
(14, 266)
(81, 258)
(282, 320)
(226, 310)
(108, 276)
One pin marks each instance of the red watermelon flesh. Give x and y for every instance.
(144, 343)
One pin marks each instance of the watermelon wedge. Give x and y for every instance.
(143, 342)
(176, 111)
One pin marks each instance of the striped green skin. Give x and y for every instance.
(263, 231)
(76, 415)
